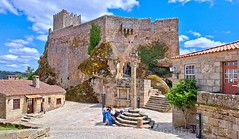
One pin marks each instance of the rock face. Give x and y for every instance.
(68, 43)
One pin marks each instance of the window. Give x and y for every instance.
(58, 101)
(189, 71)
(49, 100)
(16, 104)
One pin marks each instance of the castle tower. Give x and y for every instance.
(64, 19)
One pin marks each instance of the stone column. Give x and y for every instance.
(134, 62)
(133, 78)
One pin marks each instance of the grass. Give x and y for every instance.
(10, 127)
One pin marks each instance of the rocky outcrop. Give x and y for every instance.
(47, 74)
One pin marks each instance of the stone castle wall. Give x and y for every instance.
(208, 69)
(68, 46)
(67, 49)
(220, 115)
(64, 19)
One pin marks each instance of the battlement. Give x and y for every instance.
(64, 19)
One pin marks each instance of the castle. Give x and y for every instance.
(69, 41)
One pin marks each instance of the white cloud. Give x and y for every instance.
(2, 61)
(40, 12)
(186, 51)
(19, 53)
(6, 5)
(183, 38)
(13, 66)
(13, 44)
(9, 57)
(42, 37)
(194, 33)
(209, 36)
(24, 51)
(29, 38)
(181, 1)
(226, 32)
(18, 43)
(186, 1)
(2, 11)
(202, 42)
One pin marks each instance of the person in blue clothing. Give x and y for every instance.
(109, 120)
(104, 112)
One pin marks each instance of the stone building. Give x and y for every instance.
(215, 69)
(216, 72)
(21, 97)
(68, 42)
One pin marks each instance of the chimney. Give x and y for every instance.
(36, 81)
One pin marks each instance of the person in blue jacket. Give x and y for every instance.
(104, 112)
(109, 120)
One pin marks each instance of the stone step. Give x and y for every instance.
(25, 120)
(132, 114)
(35, 115)
(158, 99)
(133, 111)
(156, 109)
(157, 105)
(165, 103)
(26, 117)
(132, 118)
(128, 125)
(131, 122)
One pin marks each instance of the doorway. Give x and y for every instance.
(230, 77)
(29, 105)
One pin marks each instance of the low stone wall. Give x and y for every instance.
(29, 131)
(178, 117)
(220, 115)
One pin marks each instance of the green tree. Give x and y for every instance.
(29, 71)
(183, 96)
(150, 54)
(94, 37)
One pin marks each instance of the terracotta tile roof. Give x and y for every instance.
(221, 48)
(24, 87)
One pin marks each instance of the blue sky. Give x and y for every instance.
(24, 25)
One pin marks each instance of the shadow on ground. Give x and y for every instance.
(98, 105)
(169, 129)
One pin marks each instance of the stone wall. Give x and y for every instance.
(30, 131)
(178, 117)
(220, 115)
(68, 46)
(64, 19)
(2, 106)
(15, 113)
(143, 90)
(208, 69)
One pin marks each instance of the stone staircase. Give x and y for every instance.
(129, 119)
(158, 103)
(31, 117)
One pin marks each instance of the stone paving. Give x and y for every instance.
(79, 121)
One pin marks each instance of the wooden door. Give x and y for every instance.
(230, 77)
(29, 105)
